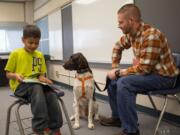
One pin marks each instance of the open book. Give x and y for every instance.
(29, 80)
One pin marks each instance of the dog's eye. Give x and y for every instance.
(71, 57)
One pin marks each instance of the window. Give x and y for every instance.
(10, 39)
(44, 42)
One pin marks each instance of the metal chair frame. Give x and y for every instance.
(19, 102)
(162, 111)
(166, 93)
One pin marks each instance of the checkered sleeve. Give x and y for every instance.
(149, 54)
(122, 44)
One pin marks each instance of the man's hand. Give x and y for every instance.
(111, 74)
(135, 62)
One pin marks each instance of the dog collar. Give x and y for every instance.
(81, 71)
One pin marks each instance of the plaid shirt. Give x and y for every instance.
(150, 48)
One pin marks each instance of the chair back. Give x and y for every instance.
(177, 62)
(177, 59)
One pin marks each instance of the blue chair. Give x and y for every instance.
(21, 101)
(166, 93)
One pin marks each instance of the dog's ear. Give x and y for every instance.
(83, 61)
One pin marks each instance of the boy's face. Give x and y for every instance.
(30, 44)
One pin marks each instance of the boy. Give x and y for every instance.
(28, 63)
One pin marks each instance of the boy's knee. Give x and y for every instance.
(37, 90)
(51, 95)
(37, 86)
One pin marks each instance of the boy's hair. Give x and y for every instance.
(31, 31)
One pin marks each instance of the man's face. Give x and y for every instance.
(31, 44)
(124, 23)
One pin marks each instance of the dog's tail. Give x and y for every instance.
(106, 85)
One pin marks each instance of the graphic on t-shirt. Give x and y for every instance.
(37, 64)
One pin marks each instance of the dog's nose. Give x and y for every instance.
(63, 65)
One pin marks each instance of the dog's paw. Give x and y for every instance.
(91, 126)
(96, 117)
(76, 126)
(72, 118)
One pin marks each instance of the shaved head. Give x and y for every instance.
(131, 11)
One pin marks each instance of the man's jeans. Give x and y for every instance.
(122, 96)
(44, 106)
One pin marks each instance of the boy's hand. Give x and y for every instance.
(16, 76)
(19, 77)
(45, 80)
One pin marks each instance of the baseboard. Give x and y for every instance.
(168, 117)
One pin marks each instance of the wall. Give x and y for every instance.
(16, 14)
(165, 16)
(20, 12)
(57, 73)
(46, 7)
(29, 12)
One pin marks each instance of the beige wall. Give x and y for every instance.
(39, 3)
(46, 7)
(21, 12)
(11, 12)
(57, 72)
(29, 12)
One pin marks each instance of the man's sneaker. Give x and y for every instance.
(109, 121)
(123, 133)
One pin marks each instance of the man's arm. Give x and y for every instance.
(122, 44)
(149, 54)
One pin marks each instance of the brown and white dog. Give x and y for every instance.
(83, 90)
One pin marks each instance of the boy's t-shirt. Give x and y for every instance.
(27, 64)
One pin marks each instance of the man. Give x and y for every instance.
(153, 69)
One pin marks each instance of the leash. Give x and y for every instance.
(106, 85)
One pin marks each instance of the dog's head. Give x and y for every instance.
(76, 61)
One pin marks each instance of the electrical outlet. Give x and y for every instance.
(57, 74)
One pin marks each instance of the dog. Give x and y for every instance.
(84, 104)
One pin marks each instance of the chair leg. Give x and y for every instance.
(9, 116)
(21, 130)
(67, 116)
(152, 102)
(161, 115)
(177, 97)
